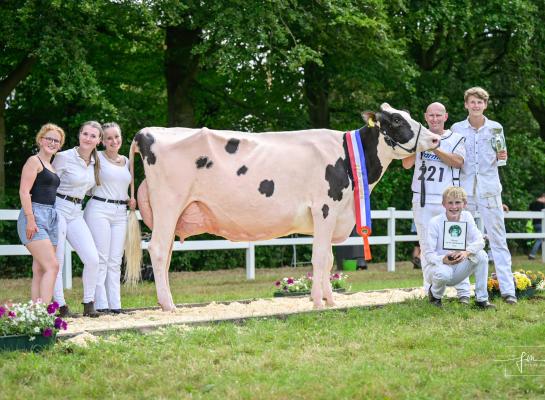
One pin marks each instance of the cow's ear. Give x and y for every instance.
(369, 117)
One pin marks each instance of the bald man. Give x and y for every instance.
(434, 171)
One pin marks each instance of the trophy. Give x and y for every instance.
(498, 143)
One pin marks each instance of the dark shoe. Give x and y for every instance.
(361, 264)
(64, 312)
(463, 300)
(510, 299)
(116, 311)
(89, 310)
(531, 257)
(433, 300)
(485, 305)
(103, 310)
(417, 264)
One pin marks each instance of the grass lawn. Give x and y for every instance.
(409, 350)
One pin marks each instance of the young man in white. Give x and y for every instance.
(448, 267)
(434, 171)
(481, 181)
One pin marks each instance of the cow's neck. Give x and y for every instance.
(377, 157)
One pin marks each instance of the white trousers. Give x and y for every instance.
(491, 212)
(443, 275)
(73, 228)
(422, 217)
(108, 225)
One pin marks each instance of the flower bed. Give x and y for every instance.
(527, 284)
(29, 325)
(302, 286)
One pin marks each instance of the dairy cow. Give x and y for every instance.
(247, 186)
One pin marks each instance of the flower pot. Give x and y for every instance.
(529, 292)
(23, 342)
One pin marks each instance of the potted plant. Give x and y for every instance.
(302, 286)
(527, 283)
(29, 326)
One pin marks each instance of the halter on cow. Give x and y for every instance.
(248, 187)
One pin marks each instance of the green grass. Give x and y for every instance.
(403, 351)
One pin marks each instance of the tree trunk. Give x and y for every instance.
(537, 108)
(181, 67)
(316, 87)
(20, 72)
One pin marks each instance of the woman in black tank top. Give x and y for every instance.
(37, 223)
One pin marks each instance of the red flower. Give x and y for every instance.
(290, 281)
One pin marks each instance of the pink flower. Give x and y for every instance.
(48, 332)
(11, 314)
(277, 283)
(2, 311)
(64, 325)
(290, 281)
(52, 307)
(58, 322)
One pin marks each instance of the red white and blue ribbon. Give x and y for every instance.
(361, 189)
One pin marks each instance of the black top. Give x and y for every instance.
(45, 186)
(536, 206)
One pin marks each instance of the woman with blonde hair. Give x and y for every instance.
(106, 216)
(78, 169)
(37, 222)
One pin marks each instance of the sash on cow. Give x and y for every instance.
(361, 189)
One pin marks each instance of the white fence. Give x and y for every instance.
(390, 240)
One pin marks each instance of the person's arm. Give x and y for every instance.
(28, 176)
(431, 239)
(451, 159)
(408, 162)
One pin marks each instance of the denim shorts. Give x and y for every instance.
(46, 220)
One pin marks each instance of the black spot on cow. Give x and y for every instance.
(232, 146)
(266, 187)
(337, 177)
(395, 127)
(201, 162)
(325, 210)
(209, 164)
(242, 170)
(145, 140)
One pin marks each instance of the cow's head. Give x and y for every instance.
(399, 131)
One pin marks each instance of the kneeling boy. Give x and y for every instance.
(455, 229)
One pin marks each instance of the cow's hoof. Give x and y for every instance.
(318, 306)
(170, 307)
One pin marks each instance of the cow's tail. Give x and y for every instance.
(133, 247)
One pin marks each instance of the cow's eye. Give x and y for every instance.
(396, 120)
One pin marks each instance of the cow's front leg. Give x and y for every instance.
(160, 248)
(322, 261)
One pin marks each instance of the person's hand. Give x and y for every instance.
(455, 257)
(132, 204)
(502, 155)
(505, 207)
(31, 227)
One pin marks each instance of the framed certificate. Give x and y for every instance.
(454, 235)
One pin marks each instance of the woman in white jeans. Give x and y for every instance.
(106, 216)
(78, 170)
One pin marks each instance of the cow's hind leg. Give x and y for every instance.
(160, 248)
(322, 261)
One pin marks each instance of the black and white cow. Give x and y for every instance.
(247, 186)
